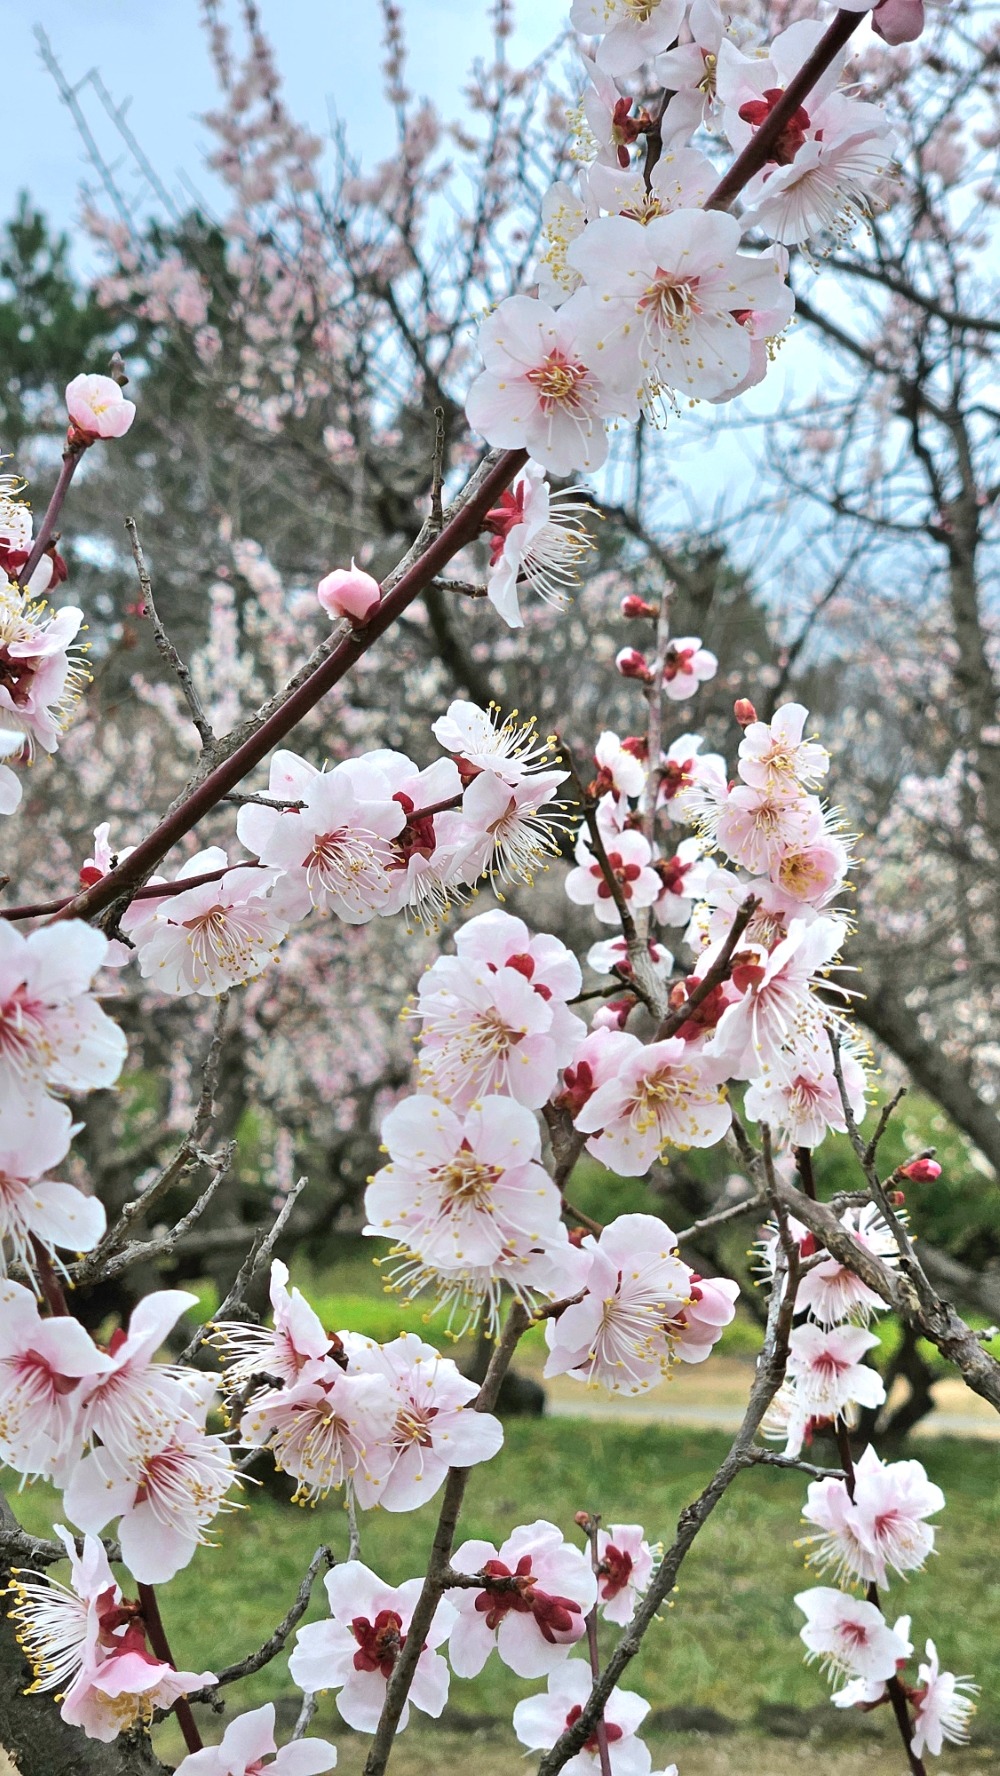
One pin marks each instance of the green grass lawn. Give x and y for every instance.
(728, 1640)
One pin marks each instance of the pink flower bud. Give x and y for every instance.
(744, 711)
(97, 408)
(632, 664)
(634, 606)
(898, 21)
(897, 1198)
(921, 1171)
(353, 594)
(613, 1014)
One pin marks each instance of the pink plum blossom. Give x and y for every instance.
(537, 540)
(539, 1721)
(534, 1621)
(612, 954)
(351, 593)
(944, 1707)
(355, 1651)
(295, 1350)
(630, 858)
(208, 939)
(625, 1567)
(491, 1022)
(685, 772)
(618, 1336)
(97, 407)
(687, 666)
(755, 827)
(35, 1210)
(778, 1029)
(41, 675)
(773, 755)
(829, 1291)
(849, 1636)
(53, 1033)
(596, 1061)
(245, 1744)
(435, 1428)
(136, 1401)
(662, 1097)
(507, 831)
(43, 1362)
(834, 178)
(619, 768)
(825, 1365)
(882, 1526)
(699, 1325)
(683, 880)
(326, 1431)
(687, 71)
(669, 295)
(801, 1109)
(466, 1198)
(338, 845)
(87, 1641)
(289, 777)
(540, 390)
(898, 21)
(630, 35)
(164, 1497)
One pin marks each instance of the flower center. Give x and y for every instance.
(670, 301)
(379, 1643)
(558, 381)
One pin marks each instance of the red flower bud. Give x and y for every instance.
(634, 606)
(920, 1171)
(744, 711)
(632, 664)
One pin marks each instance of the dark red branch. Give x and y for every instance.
(71, 457)
(157, 1636)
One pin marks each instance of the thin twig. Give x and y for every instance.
(235, 1302)
(164, 646)
(714, 976)
(275, 1642)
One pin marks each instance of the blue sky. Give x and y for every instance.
(153, 52)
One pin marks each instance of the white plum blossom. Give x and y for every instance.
(468, 1202)
(686, 774)
(829, 1291)
(630, 34)
(485, 740)
(625, 1567)
(85, 1641)
(539, 1721)
(699, 1325)
(882, 1526)
(534, 1610)
(164, 1497)
(43, 1362)
(53, 1034)
(97, 408)
(328, 1430)
(295, 1350)
(618, 1336)
(773, 755)
(684, 878)
(338, 844)
(11, 744)
(245, 1744)
(620, 769)
(507, 831)
(563, 216)
(354, 1652)
(538, 540)
(41, 674)
(825, 1365)
(35, 1210)
(755, 827)
(688, 71)
(851, 1637)
(541, 389)
(801, 1109)
(493, 1017)
(669, 295)
(136, 1401)
(630, 859)
(434, 1428)
(663, 1096)
(612, 954)
(944, 1707)
(778, 1027)
(213, 937)
(687, 665)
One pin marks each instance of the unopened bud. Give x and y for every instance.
(632, 664)
(897, 1198)
(920, 1171)
(116, 370)
(898, 21)
(582, 1519)
(614, 1014)
(744, 711)
(634, 606)
(349, 593)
